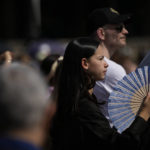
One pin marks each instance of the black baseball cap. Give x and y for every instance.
(100, 17)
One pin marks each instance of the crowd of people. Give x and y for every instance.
(61, 101)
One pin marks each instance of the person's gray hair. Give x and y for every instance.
(23, 97)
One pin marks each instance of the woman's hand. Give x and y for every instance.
(145, 111)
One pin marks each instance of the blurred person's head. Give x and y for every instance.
(108, 26)
(50, 67)
(25, 109)
(23, 57)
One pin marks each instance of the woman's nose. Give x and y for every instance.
(105, 64)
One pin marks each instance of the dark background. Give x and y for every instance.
(65, 19)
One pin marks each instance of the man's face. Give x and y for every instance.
(115, 35)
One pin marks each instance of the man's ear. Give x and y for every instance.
(84, 63)
(101, 33)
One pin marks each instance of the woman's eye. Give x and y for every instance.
(101, 58)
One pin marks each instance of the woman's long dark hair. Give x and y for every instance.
(74, 81)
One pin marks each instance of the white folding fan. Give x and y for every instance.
(126, 100)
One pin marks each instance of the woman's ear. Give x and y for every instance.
(101, 33)
(84, 63)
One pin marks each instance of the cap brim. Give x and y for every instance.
(122, 19)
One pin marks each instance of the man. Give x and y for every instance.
(25, 109)
(107, 26)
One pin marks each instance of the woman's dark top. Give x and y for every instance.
(88, 129)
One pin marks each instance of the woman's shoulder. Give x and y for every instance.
(89, 105)
(88, 100)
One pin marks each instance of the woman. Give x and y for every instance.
(78, 123)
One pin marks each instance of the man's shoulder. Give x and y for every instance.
(114, 70)
(115, 73)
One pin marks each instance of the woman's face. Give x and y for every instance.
(97, 66)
